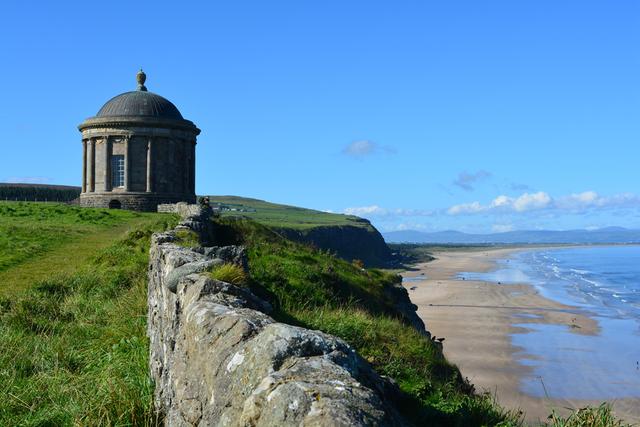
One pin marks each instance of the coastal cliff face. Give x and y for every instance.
(218, 358)
(346, 241)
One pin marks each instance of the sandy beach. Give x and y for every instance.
(476, 319)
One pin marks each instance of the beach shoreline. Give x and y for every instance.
(477, 319)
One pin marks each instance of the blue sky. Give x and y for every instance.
(465, 115)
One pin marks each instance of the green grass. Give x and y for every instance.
(282, 216)
(314, 289)
(229, 273)
(28, 229)
(38, 239)
(74, 346)
(187, 238)
(600, 416)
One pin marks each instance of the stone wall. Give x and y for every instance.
(218, 358)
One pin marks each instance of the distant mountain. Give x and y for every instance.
(602, 235)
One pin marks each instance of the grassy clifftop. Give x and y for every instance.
(348, 236)
(282, 216)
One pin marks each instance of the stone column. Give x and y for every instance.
(84, 165)
(107, 164)
(150, 165)
(185, 149)
(92, 165)
(127, 164)
(193, 167)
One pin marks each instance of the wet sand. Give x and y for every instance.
(476, 319)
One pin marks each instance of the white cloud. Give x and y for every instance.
(466, 180)
(507, 213)
(363, 148)
(377, 211)
(527, 202)
(373, 210)
(359, 148)
(501, 201)
(28, 180)
(406, 226)
(502, 228)
(591, 200)
(466, 208)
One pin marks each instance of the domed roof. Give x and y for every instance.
(140, 103)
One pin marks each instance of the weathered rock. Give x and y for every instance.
(400, 297)
(193, 217)
(217, 358)
(347, 241)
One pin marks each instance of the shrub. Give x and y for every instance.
(587, 417)
(230, 273)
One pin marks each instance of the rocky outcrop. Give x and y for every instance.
(403, 305)
(346, 241)
(218, 358)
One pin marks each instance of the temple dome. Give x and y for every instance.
(138, 153)
(140, 103)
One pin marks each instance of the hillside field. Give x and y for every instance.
(281, 216)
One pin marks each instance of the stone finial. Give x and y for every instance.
(141, 77)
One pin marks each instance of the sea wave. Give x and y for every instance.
(603, 278)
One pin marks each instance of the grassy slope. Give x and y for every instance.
(283, 216)
(30, 229)
(314, 289)
(74, 347)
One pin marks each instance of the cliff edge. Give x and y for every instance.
(348, 236)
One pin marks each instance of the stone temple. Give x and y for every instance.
(138, 152)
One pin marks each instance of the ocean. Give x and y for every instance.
(603, 282)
